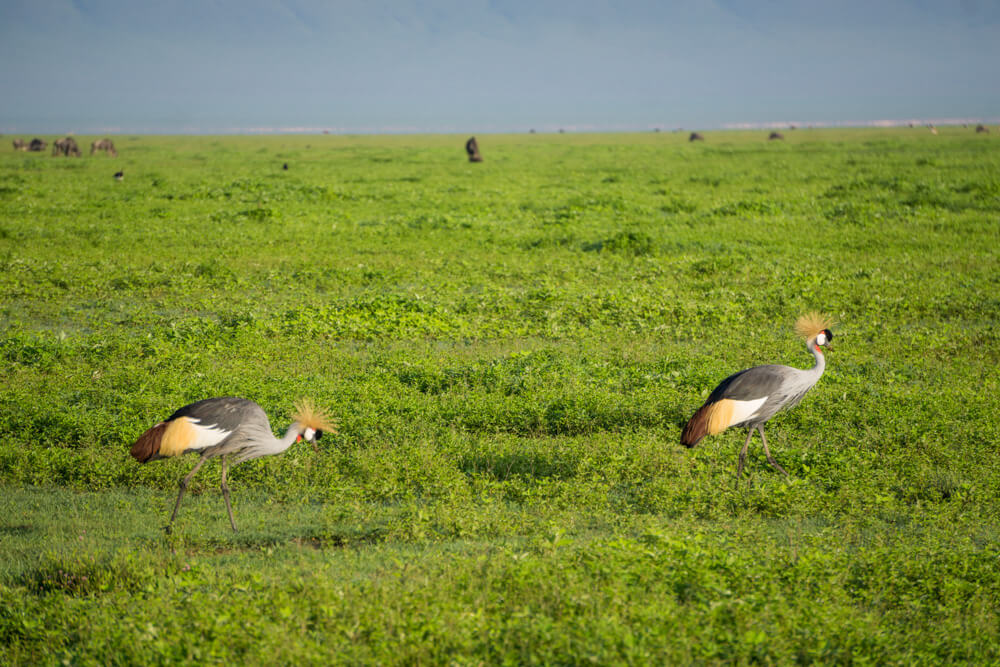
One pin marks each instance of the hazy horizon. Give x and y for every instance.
(492, 66)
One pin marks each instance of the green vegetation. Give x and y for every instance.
(511, 348)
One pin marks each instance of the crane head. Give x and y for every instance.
(815, 328)
(823, 339)
(311, 436)
(313, 421)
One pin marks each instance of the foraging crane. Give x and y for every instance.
(222, 427)
(751, 397)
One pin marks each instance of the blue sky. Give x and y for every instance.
(92, 66)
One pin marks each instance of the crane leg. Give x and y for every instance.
(184, 486)
(743, 457)
(767, 452)
(225, 494)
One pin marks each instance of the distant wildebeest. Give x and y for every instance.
(696, 137)
(774, 136)
(37, 144)
(105, 145)
(20, 145)
(120, 175)
(66, 146)
(472, 148)
(982, 129)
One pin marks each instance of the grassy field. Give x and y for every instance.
(511, 349)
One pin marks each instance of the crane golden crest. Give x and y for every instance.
(811, 324)
(312, 417)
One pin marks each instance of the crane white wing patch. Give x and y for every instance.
(184, 433)
(207, 435)
(743, 410)
(728, 412)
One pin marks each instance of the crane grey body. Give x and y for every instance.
(783, 386)
(751, 397)
(222, 427)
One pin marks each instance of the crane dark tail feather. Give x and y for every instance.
(147, 447)
(697, 427)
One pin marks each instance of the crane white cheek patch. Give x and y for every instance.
(821, 339)
(308, 433)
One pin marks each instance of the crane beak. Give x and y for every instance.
(298, 438)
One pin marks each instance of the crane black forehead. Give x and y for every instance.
(828, 334)
(319, 434)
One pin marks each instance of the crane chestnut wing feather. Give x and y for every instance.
(176, 436)
(198, 426)
(147, 447)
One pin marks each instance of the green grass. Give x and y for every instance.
(511, 349)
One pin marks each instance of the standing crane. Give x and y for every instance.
(752, 396)
(223, 427)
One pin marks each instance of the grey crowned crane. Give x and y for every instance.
(223, 427)
(751, 397)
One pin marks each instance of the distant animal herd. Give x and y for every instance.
(66, 146)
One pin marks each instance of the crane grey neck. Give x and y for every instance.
(817, 370)
(261, 442)
(799, 381)
(291, 435)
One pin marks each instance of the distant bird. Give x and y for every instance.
(222, 427)
(285, 166)
(120, 175)
(751, 397)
